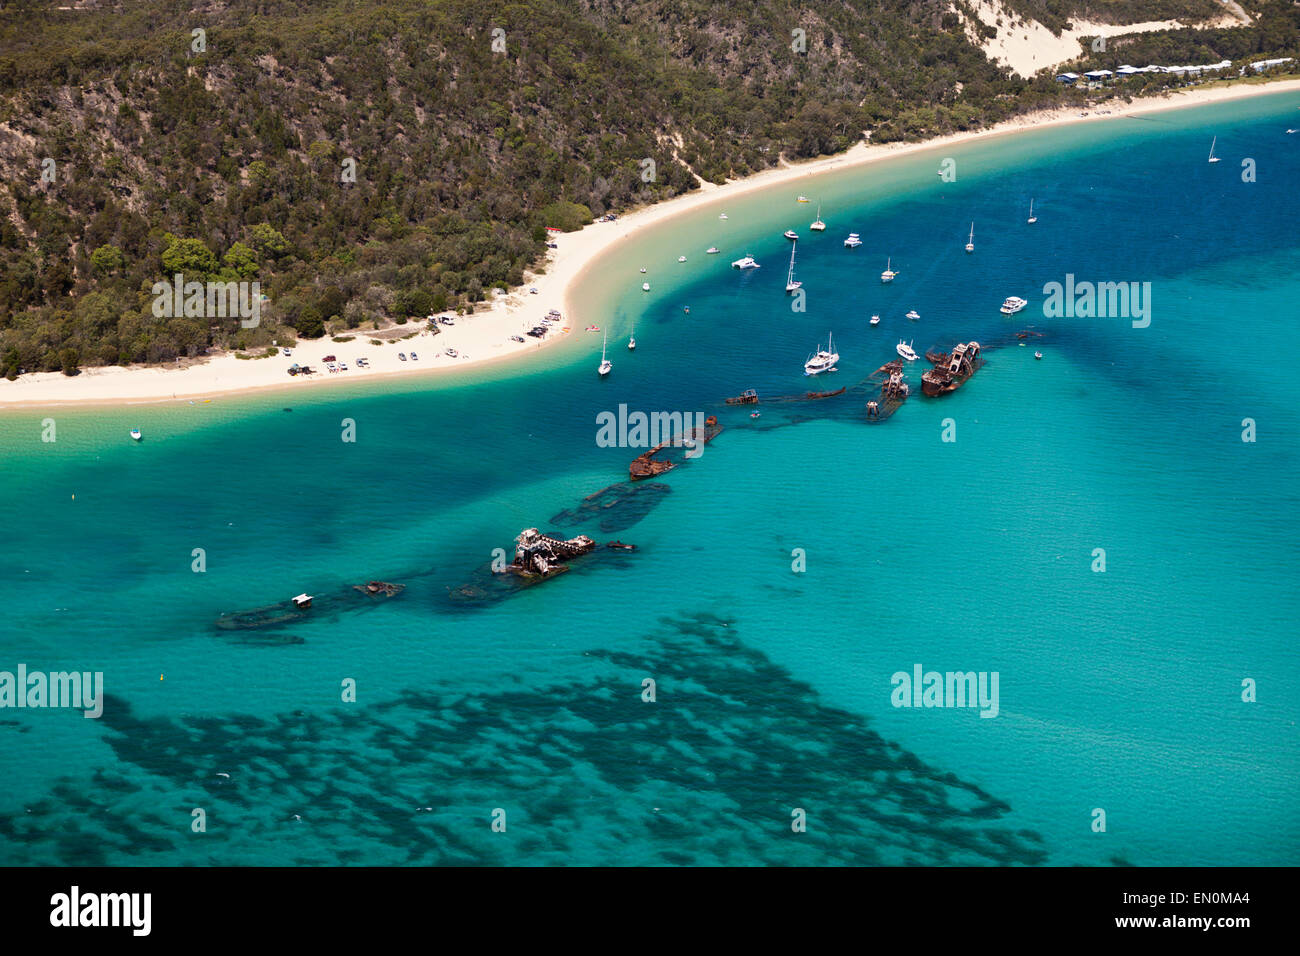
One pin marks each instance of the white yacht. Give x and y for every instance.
(722, 215)
(905, 350)
(853, 241)
(823, 360)
(889, 273)
(875, 320)
(681, 258)
(1013, 304)
(791, 235)
(914, 315)
(746, 262)
(792, 284)
(135, 433)
(1213, 158)
(643, 270)
(645, 286)
(818, 225)
(970, 243)
(712, 251)
(605, 364)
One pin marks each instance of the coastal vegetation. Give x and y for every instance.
(370, 163)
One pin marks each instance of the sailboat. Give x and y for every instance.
(1032, 218)
(791, 284)
(605, 364)
(1213, 158)
(889, 273)
(818, 225)
(631, 340)
(970, 243)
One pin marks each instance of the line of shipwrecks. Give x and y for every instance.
(540, 557)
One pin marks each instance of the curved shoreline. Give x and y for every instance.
(483, 337)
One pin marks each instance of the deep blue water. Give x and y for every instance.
(1119, 691)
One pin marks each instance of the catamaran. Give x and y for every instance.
(970, 243)
(1013, 304)
(889, 273)
(746, 262)
(905, 350)
(1213, 158)
(791, 284)
(1032, 218)
(818, 225)
(823, 360)
(605, 364)
(853, 241)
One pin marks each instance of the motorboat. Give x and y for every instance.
(905, 350)
(791, 235)
(712, 251)
(645, 286)
(1013, 304)
(914, 315)
(853, 241)
(823, 360)
(135, 434)
(875, 320)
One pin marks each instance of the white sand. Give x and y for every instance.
(484, 336)
(1026, 46)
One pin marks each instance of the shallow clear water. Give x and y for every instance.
(1118, 690)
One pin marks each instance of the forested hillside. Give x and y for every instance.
(371, 161)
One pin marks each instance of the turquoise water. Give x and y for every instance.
(1118, 690)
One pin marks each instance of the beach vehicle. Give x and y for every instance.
(553, 314)
(853, 241)
(745, 262)
(286, 352)
(552, 245)
(645, 286)
(447, 320)
(1213, 158)
(681, 258)
(452, 353)
(1013, 304)
(823, 360)
(363, 362)
(343, 366)
(970, 243)
(1032, 218)
(712, 251)
(792, 284)
(889, 273)
(533, 291)
(605, 363)
(414, 357)
(817, 224)
(135, 434)
(331, 367)
(402, 356)
(1038, 355)
(905, 350)
(516, 338)
(330, 358)
(791, 235)
(914, 315)
(875, 320)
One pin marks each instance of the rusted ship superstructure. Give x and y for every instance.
(646, 465)
(951, 369)
(539, 555)
(893, 391)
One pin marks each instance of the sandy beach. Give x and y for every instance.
(485, 336)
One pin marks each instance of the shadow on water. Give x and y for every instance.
(587, 772)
